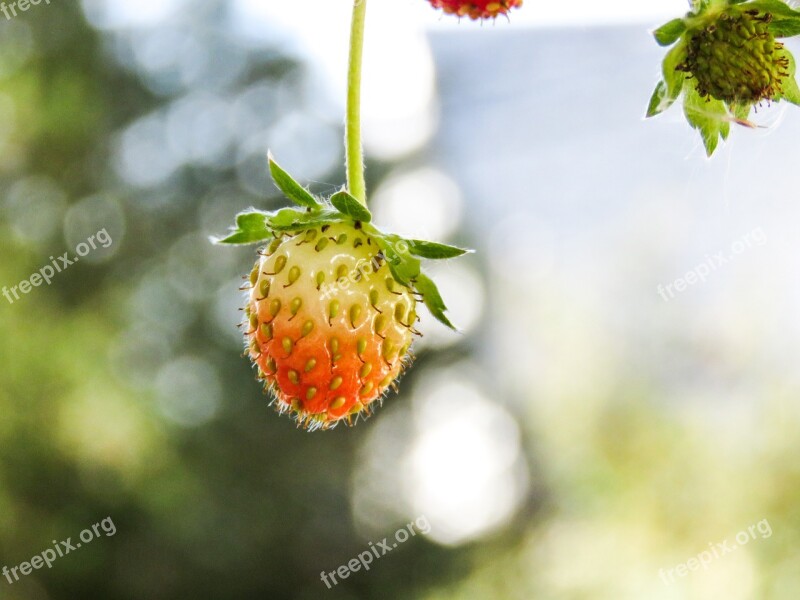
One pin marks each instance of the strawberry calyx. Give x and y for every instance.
(403, 256)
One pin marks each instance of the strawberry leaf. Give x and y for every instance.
(348, 205)
(434, 250)
(293, 190)
(432, 299)
(669, 33)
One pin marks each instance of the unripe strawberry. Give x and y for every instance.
(331, 303)
(735, 58)
(327, 324)
(476, 9)
(725, 61)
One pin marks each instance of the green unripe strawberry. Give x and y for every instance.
(725, 60)
(735, 58)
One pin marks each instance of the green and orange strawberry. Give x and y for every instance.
(331, 304)
(329, 327)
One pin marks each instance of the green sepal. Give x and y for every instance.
(404, 267)
(785, 20)
(669, 33)
(672, 76)
(251, 220)
(709, 116)
(251, 228)
(347, 204)
(402, 255)
(432, 299)
(292, 219)
(740, 111)
(698, 6)
(668, 90)
(659, 102)
(434, 250)
(257, 226)
(789, 88)
(286, 183)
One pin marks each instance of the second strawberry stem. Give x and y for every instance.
(353, 148)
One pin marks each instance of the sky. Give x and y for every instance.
(399, 80)
(399, 72)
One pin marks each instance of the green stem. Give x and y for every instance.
(353, 149)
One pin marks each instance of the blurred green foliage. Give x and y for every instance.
(107, 371)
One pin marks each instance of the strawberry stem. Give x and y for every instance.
(353, 149)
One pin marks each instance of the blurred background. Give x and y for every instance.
(587, 433)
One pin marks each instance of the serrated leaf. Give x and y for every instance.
(286, 183)
(434, 250)
(432, 299)
(709, 117)
(350, 206)
(669, 33)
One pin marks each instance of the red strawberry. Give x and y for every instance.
(328, 325)
(331, 305)
(476, 9)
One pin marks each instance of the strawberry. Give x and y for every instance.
(331, 303)
(329, 326)
(725, 60)
(476, 9)
(735, 58)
